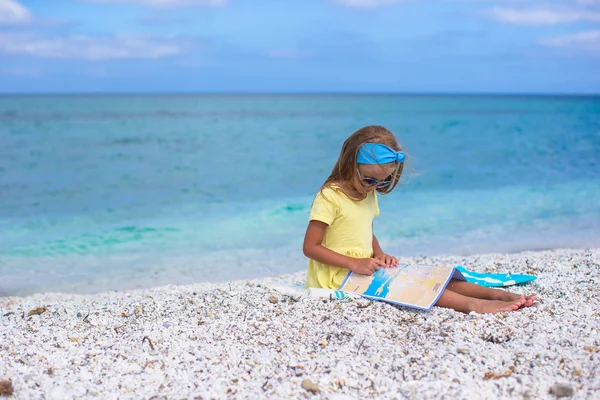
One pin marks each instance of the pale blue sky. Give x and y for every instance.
(499, 46)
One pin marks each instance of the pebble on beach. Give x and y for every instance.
(6, 388)
(310, 386)
(562, 390)
(246, 339)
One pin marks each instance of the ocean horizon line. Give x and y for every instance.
(307, 93)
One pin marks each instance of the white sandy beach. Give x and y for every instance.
(245, 340)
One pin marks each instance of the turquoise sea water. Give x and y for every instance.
(116, 192)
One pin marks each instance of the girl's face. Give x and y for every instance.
(373, 175)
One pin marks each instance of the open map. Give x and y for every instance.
(417, 286)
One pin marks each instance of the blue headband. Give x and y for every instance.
(376, 153)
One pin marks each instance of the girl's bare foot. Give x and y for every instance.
(495, 306)
(529, 301)
(526, 301)
(503, 295)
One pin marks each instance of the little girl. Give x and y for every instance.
(340, 234)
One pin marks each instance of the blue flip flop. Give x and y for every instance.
(494, 280)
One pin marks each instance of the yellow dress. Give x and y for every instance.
(349, 232)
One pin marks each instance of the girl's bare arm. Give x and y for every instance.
(314, 249)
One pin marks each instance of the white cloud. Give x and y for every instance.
(542, 16)
(92, 48)
(367, 3)
(589, 40)
(165, 3)
(12, 13)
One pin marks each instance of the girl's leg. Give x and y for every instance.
(466, 304)
(482, 292)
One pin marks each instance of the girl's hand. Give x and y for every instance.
(389, 261)
(367, 266)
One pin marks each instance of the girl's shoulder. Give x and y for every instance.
(329, 193)
(333, 190)
(338, 192)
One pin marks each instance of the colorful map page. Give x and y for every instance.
(417, 286)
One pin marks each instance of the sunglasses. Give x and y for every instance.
(372, 181)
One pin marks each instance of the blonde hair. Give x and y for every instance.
(344, 170)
